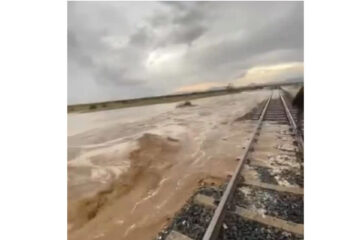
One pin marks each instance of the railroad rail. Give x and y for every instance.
(264, 197)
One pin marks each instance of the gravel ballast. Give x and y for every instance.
(237, 228)
(193, 219)
(287, 206)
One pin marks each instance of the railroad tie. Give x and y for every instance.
(174, 235)
(271, 221)
(278, 188)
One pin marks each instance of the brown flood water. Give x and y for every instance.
(130, 170)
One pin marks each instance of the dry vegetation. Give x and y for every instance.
(164, 99)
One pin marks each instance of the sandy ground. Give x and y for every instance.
(130, 170)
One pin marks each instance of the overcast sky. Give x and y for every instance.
(120, 50)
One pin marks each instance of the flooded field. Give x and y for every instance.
(130, 170)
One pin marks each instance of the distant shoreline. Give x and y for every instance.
(108, 105)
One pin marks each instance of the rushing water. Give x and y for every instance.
(131, 169)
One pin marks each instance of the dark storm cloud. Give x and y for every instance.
(159, 19)
(175, 4)
(72, 42)
(140, 38)
(76, 53)
(116, 76)
(188, 35)
(192, 15)
(104, 72)
(283, 35)
(182, 34)
(185, 20)
(127, 49)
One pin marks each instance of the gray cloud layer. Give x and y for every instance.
(120, 50)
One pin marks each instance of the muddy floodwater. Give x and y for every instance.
(130, 170)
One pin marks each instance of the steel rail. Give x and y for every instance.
(293, 124)
(213, 229)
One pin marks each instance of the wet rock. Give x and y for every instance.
(265, 175)
(193, 219)
(172, 139)
(286, 206)
(293, 177)
(185, 104)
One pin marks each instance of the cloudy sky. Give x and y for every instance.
(120, 50)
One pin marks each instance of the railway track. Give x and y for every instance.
(264, 197)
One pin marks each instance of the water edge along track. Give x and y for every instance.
(264, 197)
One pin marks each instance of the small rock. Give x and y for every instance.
(172, 139)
